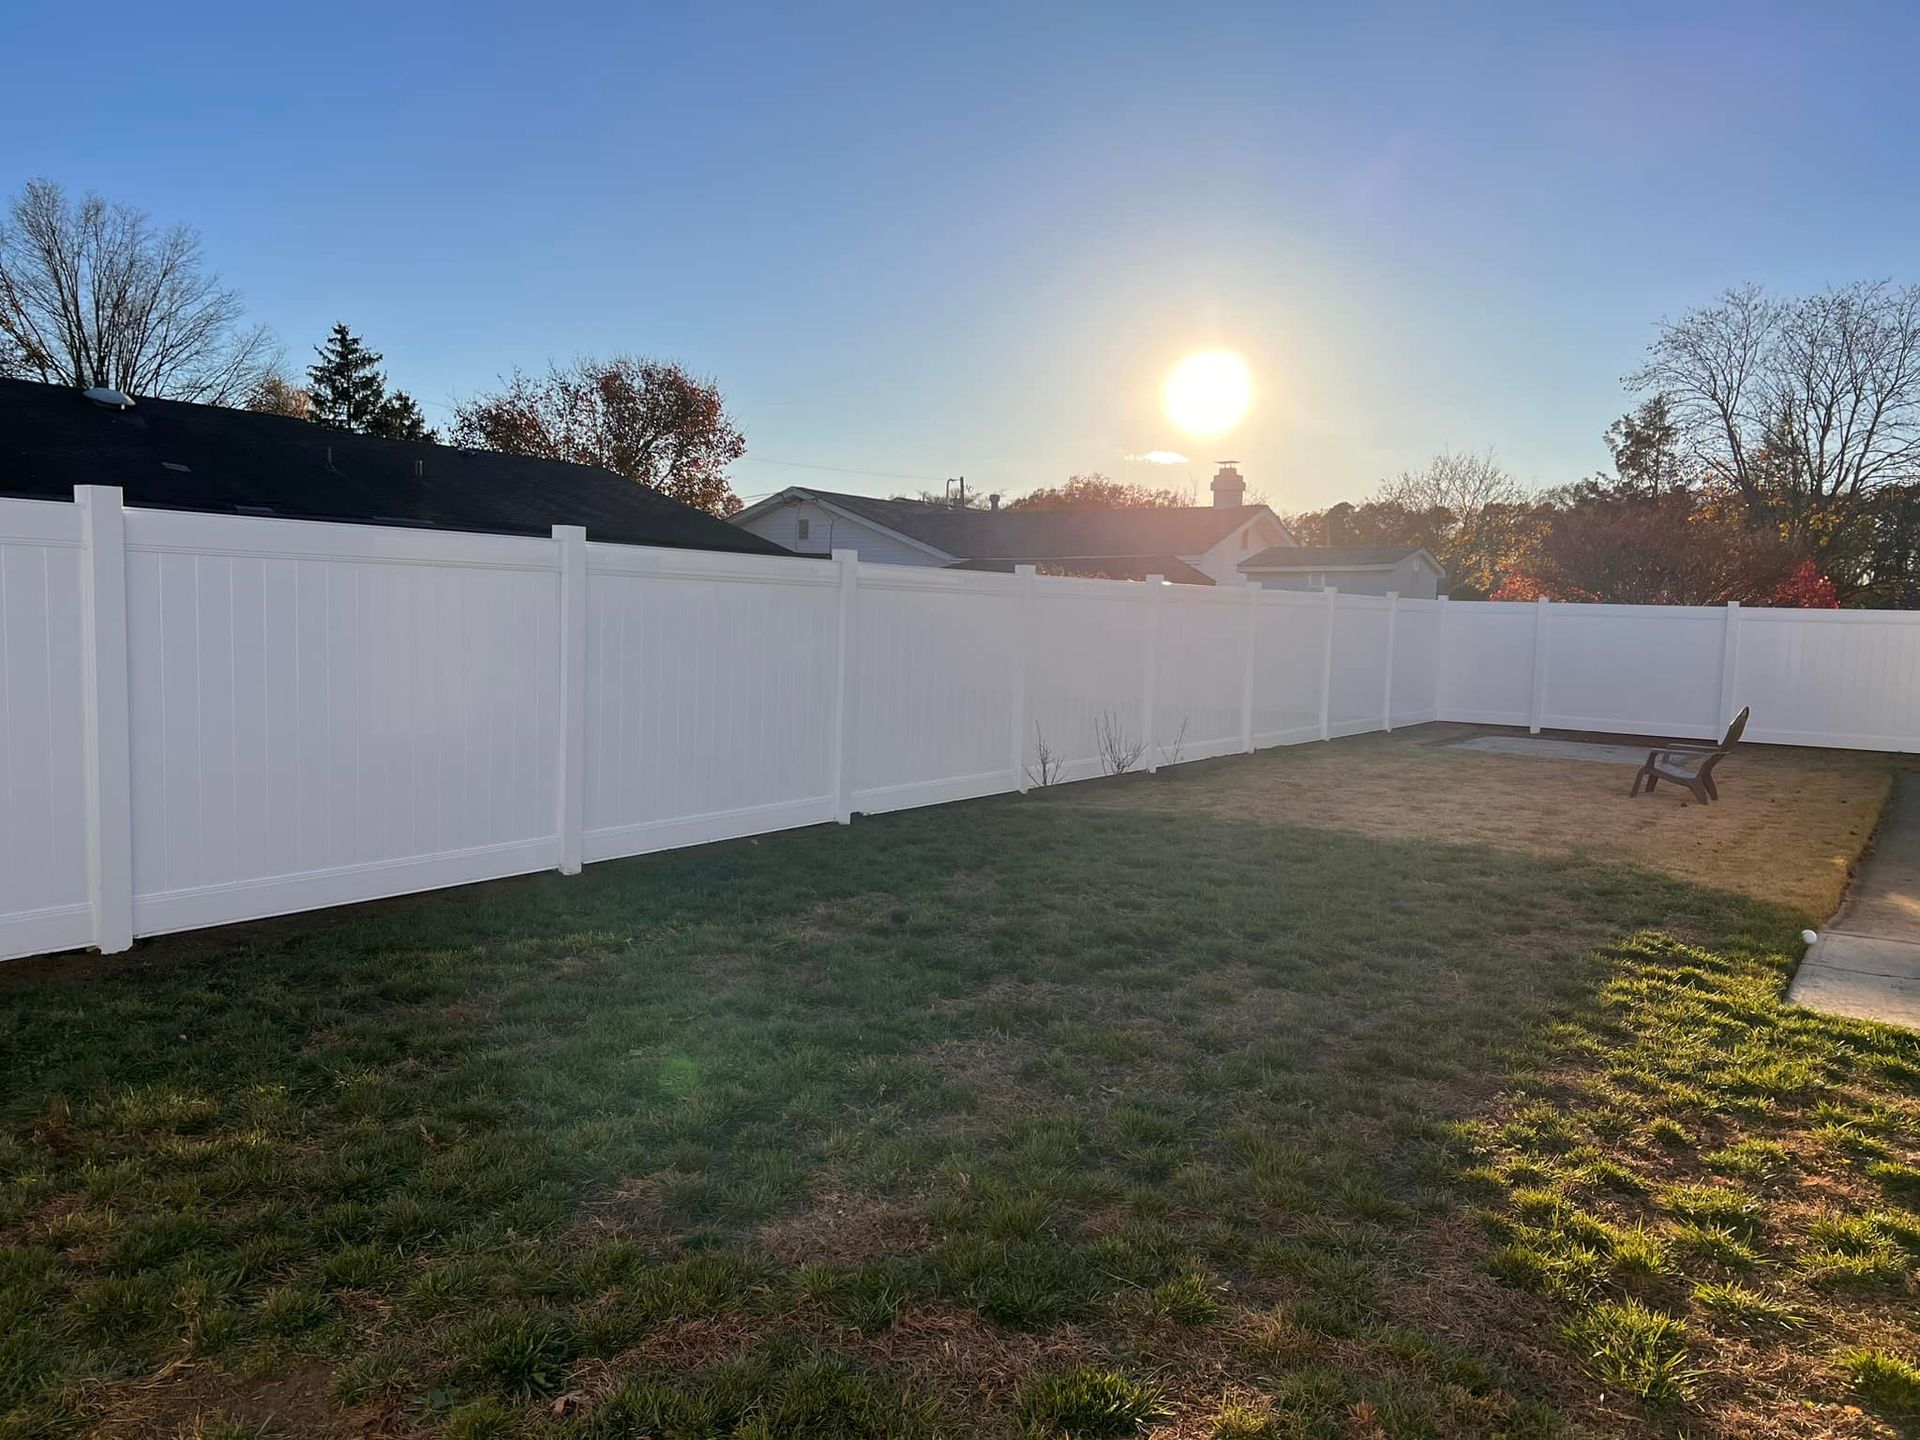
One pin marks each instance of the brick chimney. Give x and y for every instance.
(1228, 487)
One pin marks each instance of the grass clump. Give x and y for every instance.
(521, 1352)
(1890, 1384)
(1732, 1303)
(1641, 1351)
(1715, 1207)
(1089, 1402)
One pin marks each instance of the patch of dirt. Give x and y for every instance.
(975, 1365)
(632, 1211)
(180, 1398)
(845, 1227)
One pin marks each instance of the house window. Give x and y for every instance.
(805, 530)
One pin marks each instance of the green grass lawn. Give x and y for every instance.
(1082, 1114)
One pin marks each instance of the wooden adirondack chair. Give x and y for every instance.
(1690, 763)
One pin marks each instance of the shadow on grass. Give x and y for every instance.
(1142, 1074)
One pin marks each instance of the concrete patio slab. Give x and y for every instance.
(1533, 747)
(1866, 964)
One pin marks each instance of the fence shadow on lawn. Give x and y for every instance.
(1023, 1112)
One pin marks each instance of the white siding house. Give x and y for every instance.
(808, 523)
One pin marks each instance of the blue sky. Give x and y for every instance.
(971, 239)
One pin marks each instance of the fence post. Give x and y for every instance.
(1156, 594)
(572, 542)
(1022, 649)
(1536, 710)
(848, 562)
(1246, 679)
(1729, 664)
(1444, 620)
(1326, 667)
(1386, 689)
(108, 742)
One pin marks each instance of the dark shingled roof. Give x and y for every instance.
(1037, 535)
(1328, 557)
(167, 454)
(1103, 567)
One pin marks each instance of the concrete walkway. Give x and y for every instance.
(1866, 963)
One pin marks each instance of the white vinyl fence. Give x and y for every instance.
(211, 718)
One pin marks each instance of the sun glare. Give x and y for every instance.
(1208, 393)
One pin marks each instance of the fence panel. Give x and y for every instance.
(44, 902)
(1488, 677)
(1636, 669)
(326, 713)
(1849, 678)
(1417, 640)
(933, 686)
(710, 697)
(1289, 647)
(1087, 668)
(1359, 672)
(1199, 672)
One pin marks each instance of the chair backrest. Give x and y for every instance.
(1732, 737)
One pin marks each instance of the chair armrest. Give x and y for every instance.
(1683, 752)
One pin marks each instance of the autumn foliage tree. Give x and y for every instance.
(1094, 491)
(649, 420)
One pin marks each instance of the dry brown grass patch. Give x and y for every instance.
(846, 1227)
(1787, 829)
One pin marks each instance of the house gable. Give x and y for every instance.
(1221, 561)
(813, 524)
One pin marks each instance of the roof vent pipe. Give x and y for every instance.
(107, 398)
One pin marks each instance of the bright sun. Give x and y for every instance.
(1208, 393)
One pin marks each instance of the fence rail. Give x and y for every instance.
(211, 718)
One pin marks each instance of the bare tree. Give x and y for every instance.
(1472, 508)
(92, 294)
(1463, 485)
(1804, 407)
(1047, 764)
(1119, 750)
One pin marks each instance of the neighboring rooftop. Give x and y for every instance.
(168, 454)
(1332, 557)
(1104, 567)
(1035, 535)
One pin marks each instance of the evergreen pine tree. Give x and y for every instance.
(399, 418)
(345, 388)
